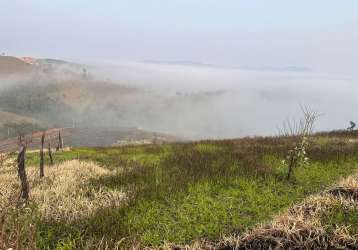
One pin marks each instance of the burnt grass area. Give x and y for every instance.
(182, 192)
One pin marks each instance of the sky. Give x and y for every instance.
(321, 35)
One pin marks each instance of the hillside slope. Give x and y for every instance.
(7, 117)
(11, 65)
(12, 124)
(141, 197)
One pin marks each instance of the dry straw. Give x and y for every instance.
(66, 191)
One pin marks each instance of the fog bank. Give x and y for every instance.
(187, 99)
(213, 102)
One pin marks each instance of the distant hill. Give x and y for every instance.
(53, 93)
(222, 66)
(59, 94)
(7, 117)
(13, 124)
(11, 65)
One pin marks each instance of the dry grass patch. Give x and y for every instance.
(284, 233)
(288, 232)
(349, 182)
(347, 188)
(9, 186)
(65, 192)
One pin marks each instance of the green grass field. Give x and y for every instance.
(183, 192)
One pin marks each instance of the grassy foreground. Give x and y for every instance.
(149, 195)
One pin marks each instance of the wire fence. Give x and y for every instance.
(33, 140)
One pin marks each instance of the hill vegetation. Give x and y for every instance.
(55, 94)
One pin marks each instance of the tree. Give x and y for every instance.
(299, 131)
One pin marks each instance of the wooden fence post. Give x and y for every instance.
(42, 155)
(60, 141)
(291, 164)
(20, 140)
(50, 153)
(22, 173)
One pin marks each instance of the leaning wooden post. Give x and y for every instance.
(22, 173)
(50, 153)
(42, 155)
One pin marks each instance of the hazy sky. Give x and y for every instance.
(319, 34)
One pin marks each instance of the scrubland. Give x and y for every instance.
(225, 194)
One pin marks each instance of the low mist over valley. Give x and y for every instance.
(188, 100)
